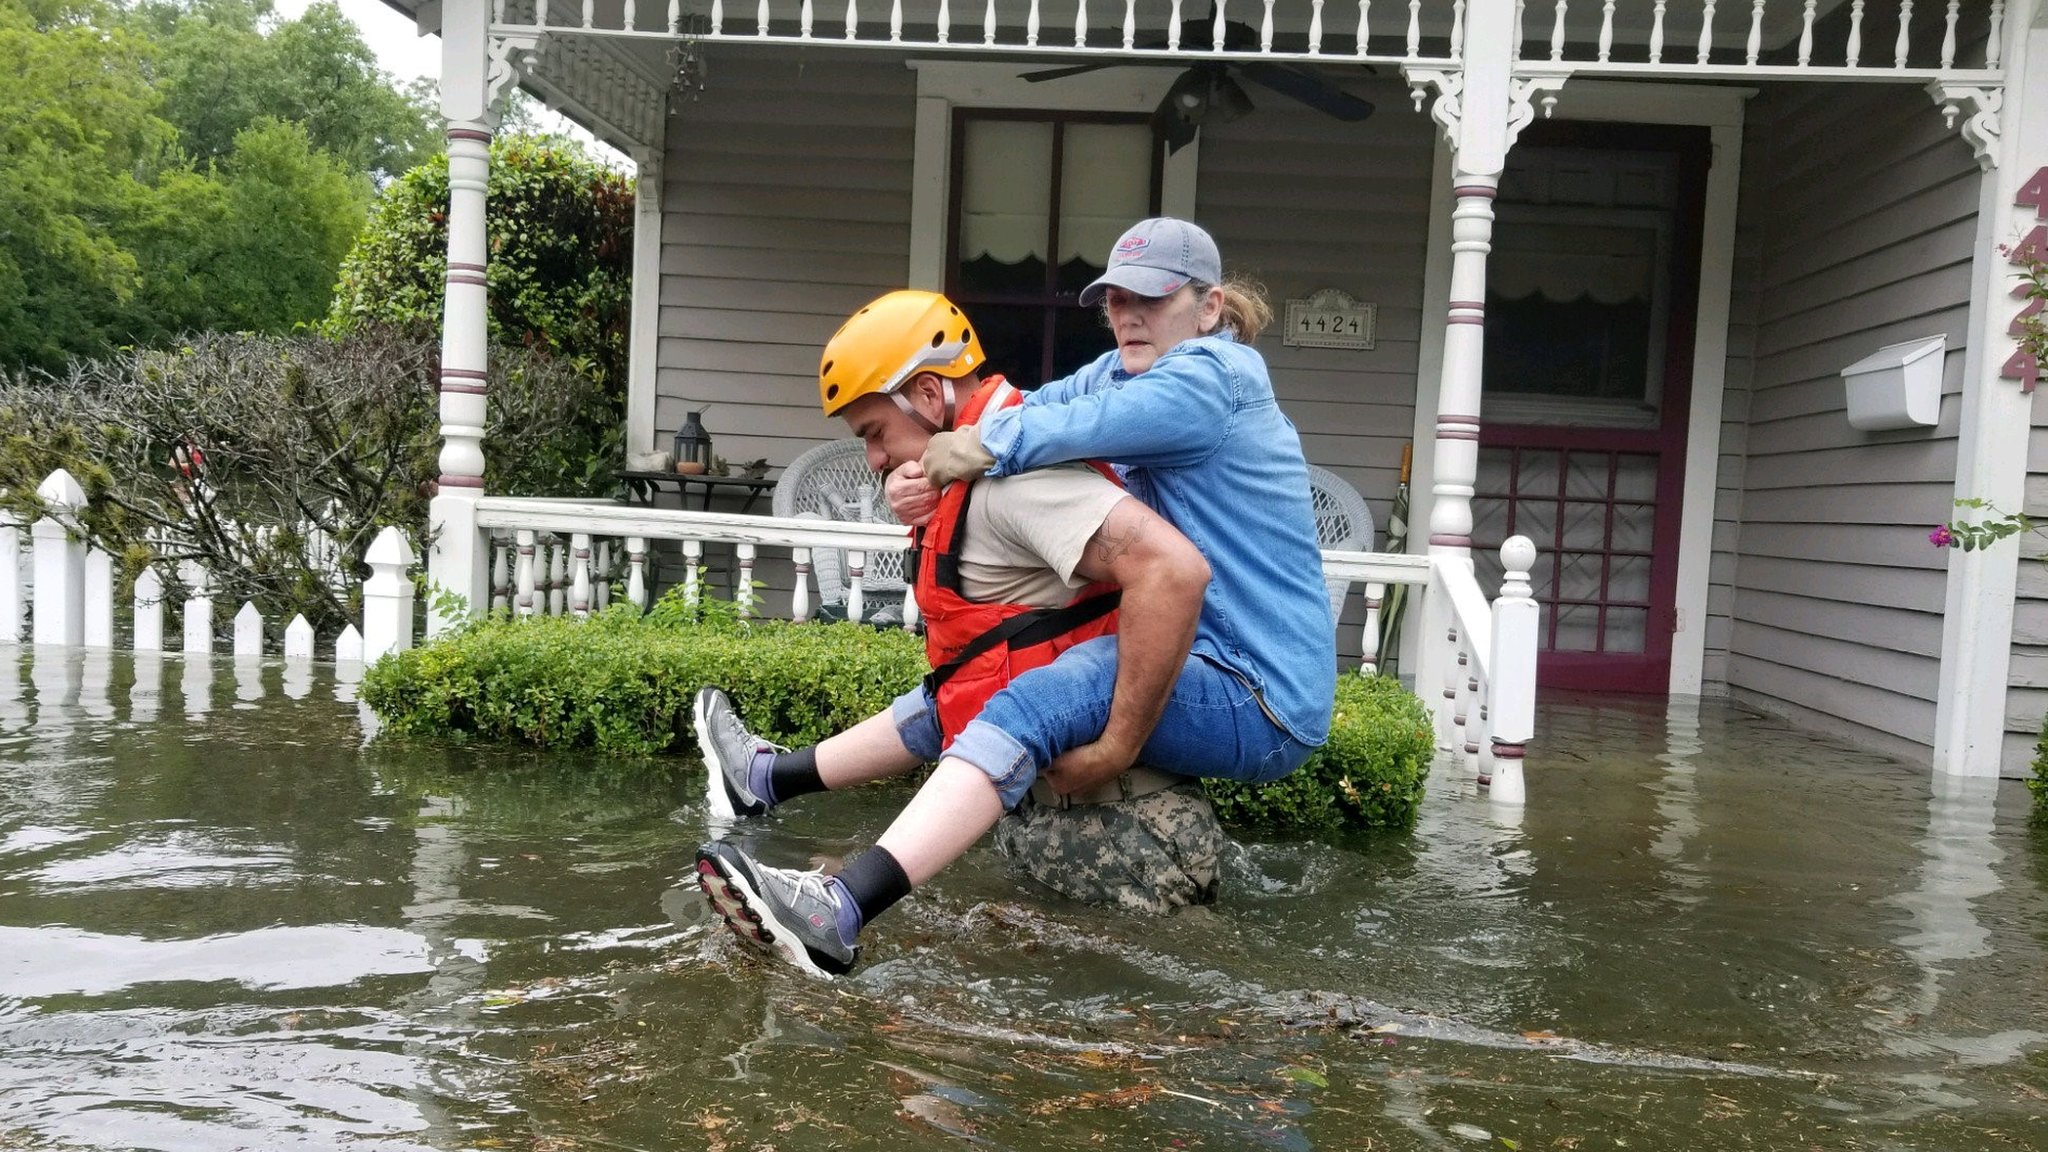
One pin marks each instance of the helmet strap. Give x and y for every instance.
(919, 418)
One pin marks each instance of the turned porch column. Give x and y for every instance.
(1478, 132)
(459, 560)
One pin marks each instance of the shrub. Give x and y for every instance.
(622, 684)
(1369, 775)
(2038, 785)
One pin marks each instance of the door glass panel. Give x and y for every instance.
(1635, 477)
(1578, 628)
(1578, 576)
(1633, 524)
(1626, 630)
(1585, 525)
(1593, 565)
(1536, 472)
(1586, 477)
(1628, 578)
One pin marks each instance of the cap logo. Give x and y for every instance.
(1131, 247)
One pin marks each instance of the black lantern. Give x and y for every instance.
(693, 446)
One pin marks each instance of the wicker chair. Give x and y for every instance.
(1343, 521)
(833, 482)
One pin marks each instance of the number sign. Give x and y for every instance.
(1329, 319)
(2032, 248)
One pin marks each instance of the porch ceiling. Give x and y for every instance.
(610, 64)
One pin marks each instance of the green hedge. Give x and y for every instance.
(2038, 785)
(622, 684)
(1369, 775)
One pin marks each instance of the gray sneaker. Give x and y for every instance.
(729, 751)
(782, 911)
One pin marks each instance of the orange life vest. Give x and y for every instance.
(976, 649)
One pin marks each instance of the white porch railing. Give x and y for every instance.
(1879, 40)
(560, 557)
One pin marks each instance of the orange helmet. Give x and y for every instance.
(891, 340)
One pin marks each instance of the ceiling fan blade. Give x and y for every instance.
(1063, 73)
(1308, 88)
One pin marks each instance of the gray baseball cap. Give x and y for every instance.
(1155, 257)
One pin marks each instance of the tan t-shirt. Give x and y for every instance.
(1025, 534)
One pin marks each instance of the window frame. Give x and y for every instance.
(1050, 301)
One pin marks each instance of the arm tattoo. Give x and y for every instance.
(1111, 546)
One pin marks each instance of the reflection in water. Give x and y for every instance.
(40, 962)
(298, 678)
(197, 684)
(57, 674)
(96, 677)
(248, 679)
(1678, 799)
(14, 713)
(147, 694)
(1958, 872)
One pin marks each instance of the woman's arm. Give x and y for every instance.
(1174, 415)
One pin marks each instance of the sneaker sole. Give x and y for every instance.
(733, 894)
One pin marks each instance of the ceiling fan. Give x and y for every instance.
(1207, 92)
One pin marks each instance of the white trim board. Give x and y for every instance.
(1720, 109)
(943, 85)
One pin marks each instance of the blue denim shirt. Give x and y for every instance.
(1202, 441)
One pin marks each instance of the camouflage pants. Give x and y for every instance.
(1151, 854)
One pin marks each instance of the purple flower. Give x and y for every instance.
(1941, 537)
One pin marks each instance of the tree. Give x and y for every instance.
(79, 143)
(224, 65)
(251, 244)
(174, 168)
(559, 230)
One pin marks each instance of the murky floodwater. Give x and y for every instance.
(226, 924)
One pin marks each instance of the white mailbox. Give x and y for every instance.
(1897, 386)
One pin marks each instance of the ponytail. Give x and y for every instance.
(1245, 311)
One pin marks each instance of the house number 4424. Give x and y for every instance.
(2031, 253)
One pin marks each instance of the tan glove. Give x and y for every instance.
(955, 455)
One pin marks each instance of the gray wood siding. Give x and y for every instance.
(1856, 227)
(1301, 202)
(786, 205)
(2026, 699)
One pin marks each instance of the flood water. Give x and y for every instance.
(226, 922)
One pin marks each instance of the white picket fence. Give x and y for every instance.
(52, 578)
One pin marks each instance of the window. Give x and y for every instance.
(1038, 199)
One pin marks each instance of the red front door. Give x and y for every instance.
(1593, 286)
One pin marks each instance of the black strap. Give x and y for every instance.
(1026, 629)
(946, 564)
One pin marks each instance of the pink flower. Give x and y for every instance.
(1941, 537)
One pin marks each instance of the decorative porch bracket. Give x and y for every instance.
(1981, 127)
(511, 58)
(1526, 91)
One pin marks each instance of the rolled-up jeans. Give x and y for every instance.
(1213, 725)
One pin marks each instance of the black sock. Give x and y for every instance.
(793, 774)
(875, 881)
